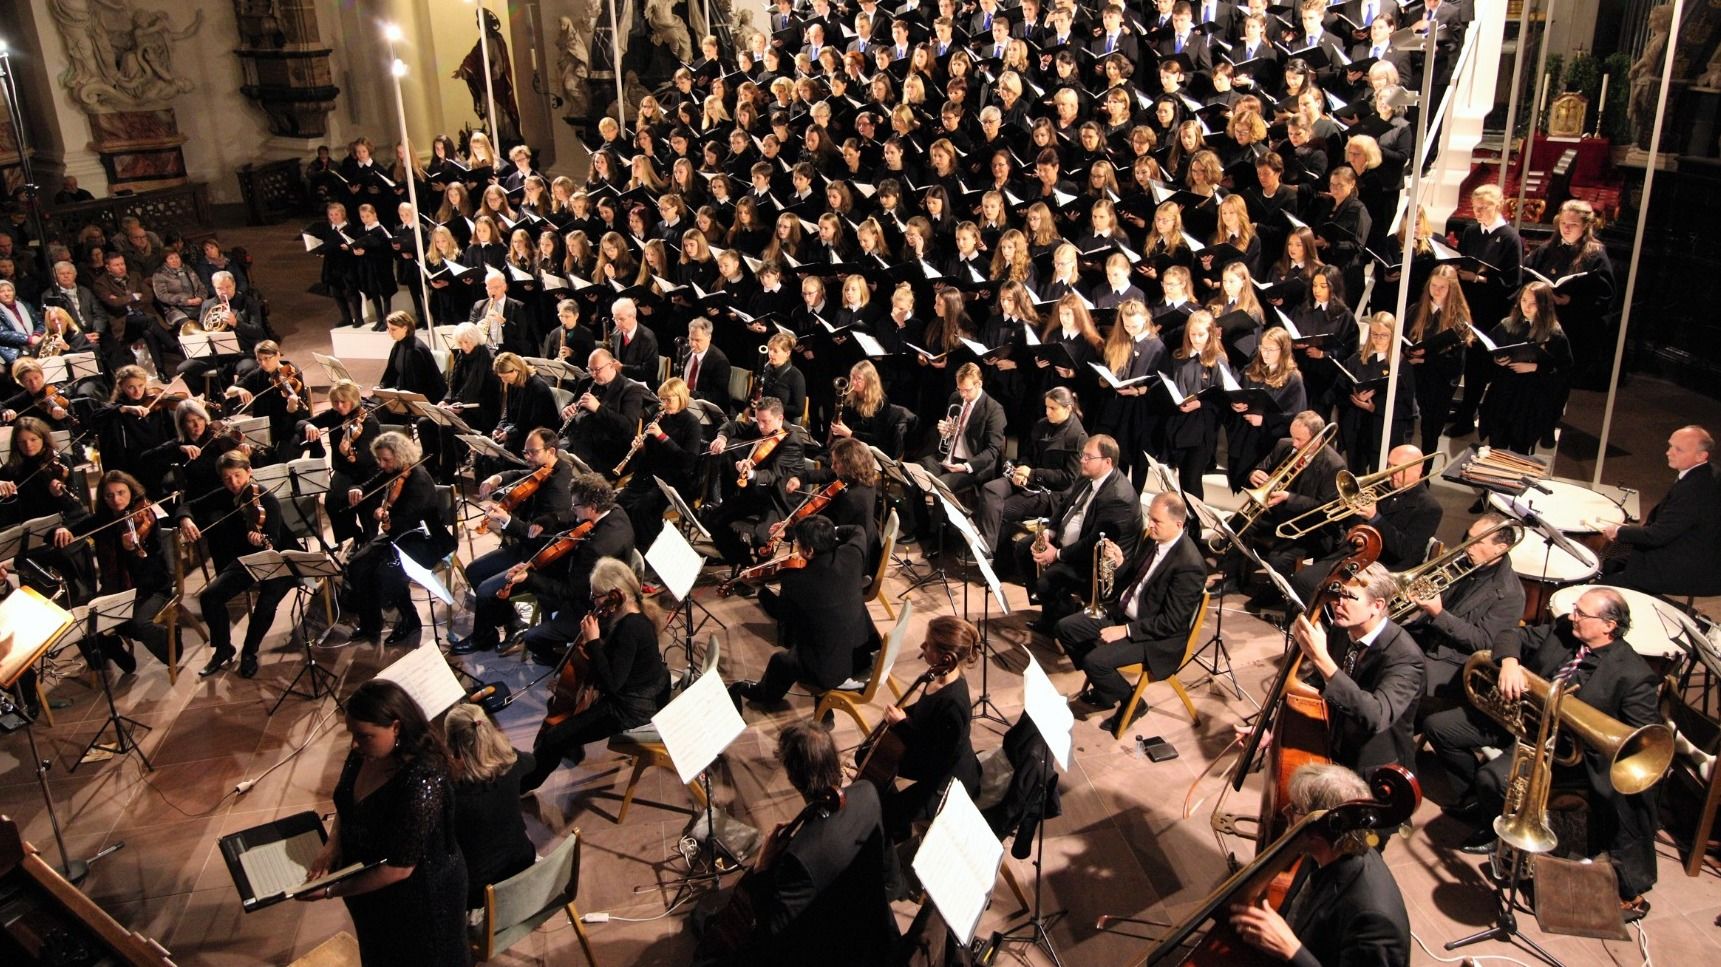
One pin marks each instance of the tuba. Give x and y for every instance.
(1355, 493)
(1283, 475)
(1105, 573)
(1438, 573)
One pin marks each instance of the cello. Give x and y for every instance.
(575, 690)
(727, 933)
(879, 756)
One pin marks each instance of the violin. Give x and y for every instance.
(290, 382)
(250, 500)
(761, 452)
(350, 430)
(521, 491)
(559, 547)
(394, 489)
(760, 573)
(814, 504)
(575, 689)
(139, 524)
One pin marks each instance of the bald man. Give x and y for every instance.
(1677, 550)
(1406, 521)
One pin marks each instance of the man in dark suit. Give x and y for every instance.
(564, 588)
(976, 435)
(76, 299)
(1369, 670)
(503, 319)
(1184, 41)
(742, 521)
(608, 415)
(1677, 550)
(1588, 651)
(1349, 909)
(1473, 613)
(1101, 501)
(632, 344)
(706, 369)
(1113, 38)
(824, 896)
(825, 632)
(1406, 521)
(1158, 593)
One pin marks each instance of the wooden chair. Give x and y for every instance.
(1704, 733)
(517, 906)
(1144, 677)
(644, 748)
(852, 702)
(875, 590)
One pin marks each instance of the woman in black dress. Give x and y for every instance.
(1132, 351)
(349, 430)
(1438, 332)
(934, 730)
(488, 822)
(1361, 414)
(863, 411)
(133, 433)
(1582, 304)
(1251, 436)
(1192, 429)
(410, 518)
(411, 365)
(1324, 314)
(394, 806)
(1525, 401)
(669, 448)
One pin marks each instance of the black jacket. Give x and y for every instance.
(638, 357)
(607, 432)
(412, 368)
(1352, 915)
(1406, 521)
(983, 435)
(821, 606)
(1113, 511)
(713, 378)
(516, 326)
(1055, 453)
(526, 408)
(1475, 613)
(1167, 602)
(1372, 710)
(550, 506)
(569, 588)
(418, 504)
(474, 381)
(1677, 549)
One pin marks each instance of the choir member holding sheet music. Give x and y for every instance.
(1440, 328)
(1360, 393)
(332, 241)
(1528, 395)
(1261, 419)
(1134, 355)
(1192, 428)
(395, 811)
(1577, 265)
(1325, 333)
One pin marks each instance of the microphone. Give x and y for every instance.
(1553, 535)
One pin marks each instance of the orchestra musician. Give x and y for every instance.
(971, 437)
(135, 556)
(1588, 651)
(410, 517)
(562, 587)
(825, 634)
(1315, 486)
(234, 532)
(780, 378)
(1100, 500)
(350, 430)
(274, 389)
(35, 399)
(1406, 521)
(527, 403)
(857, 503)
(1368, 670)
(1677, 549)
(503, 319)
(1475, 611)
(1051, 461)
(474, 395)
(36, 481)
(608, 415)
(705, 368)
(668, 449)
(1347, 910)
(934, 730)
(755, 480)
(618, 656)
(198, 458)
(133, 432)
(1149, 622)
(569, 342)
(634, 346)
(547, 511)
(864, 412)
(411, 366)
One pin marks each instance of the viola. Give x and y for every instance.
(290, 382)
(575, 689)
(559, 547)
(394, 490)
(519, 493)
(250, 501)
(761, 452)
(760, 573)
(814, 504)
(350, 430)
(139, 524)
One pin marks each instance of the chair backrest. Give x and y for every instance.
(740, 381)
(448, 503)
(636, 561)
(564, 397)
(888, 534)
(892, 647)
(1194, 642)
(516, 906)
(713, 653)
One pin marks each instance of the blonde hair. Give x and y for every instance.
(477, 749)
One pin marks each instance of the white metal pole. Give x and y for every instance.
(1413, 206)
(1517, 88)
(615, 59)
(1637, 242)
(489, 81)
(397, 70)
(1530, 136)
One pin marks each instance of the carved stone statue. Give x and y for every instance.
(119, 58)
(574, 58)
(471, 70)
(1645, 76)
(668, 29)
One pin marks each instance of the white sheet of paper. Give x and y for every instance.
(1049, 711)
(697, 725)
(421, 576)
(312, 242)
(425, 675)
(958, 863)
(872, 347)
(675, 561)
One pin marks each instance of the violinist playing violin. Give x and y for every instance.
(36, 481)
(250, 522)
(275, 389)
(35, 397)
(827, 635)
(526, 507)
(135, 431)
(617, 654)
(133, 552)
(667, 448)
(855, 503)
(755, 478)
(197, 454)
(409, 518)
(349, 430)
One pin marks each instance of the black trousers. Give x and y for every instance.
(567, 739)
(143, 630)
(740, 524)
(1000, 501)
(1057, 588)
(1079, 636)
(233, 581)
(491, 614)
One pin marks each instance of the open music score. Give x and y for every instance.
(268, 863)
(958, 861)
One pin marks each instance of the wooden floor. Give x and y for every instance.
(1121, 848)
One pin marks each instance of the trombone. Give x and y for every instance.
(1355, 493)
(1282, 476)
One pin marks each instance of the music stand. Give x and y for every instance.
(984, 707)
(31, 625)
(687, 521)
(333, 368)
(484, 446)
(677, 565)
(425, 578)
(69, 368)
(306, 478)
(310, 568)
(210, 345)
(696, 726)
(957, 862)
(556, 370)
(255, 431)
(926, 483)
(100, 616)
(1220, 665)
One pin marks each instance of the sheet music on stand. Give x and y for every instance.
(697, 725)
(1050, 712)
(442, 416)
(954, 513)
(110, 611)
(268, 863)
(69, 368)
(681, 508)
(397, 399)
(424, 674)
(1211, 520)
(304, 477)
(30, 625)
(208, 345)
(39, 530)
(255, 430)
(1167, 477)
(889, 466)
(309, 567)
(484, 446)
(557, 371)
(675, 561)
(423, 577)
(333, 368)
(11, 542)
(957, 863)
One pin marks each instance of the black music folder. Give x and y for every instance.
(268, 862)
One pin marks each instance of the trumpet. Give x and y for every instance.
(1355, 493)
(947, 439)
(1105, 574)
(1440, 572)
(1042, 541)
(1282, 476)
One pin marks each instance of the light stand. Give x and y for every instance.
(397, 70)
(1035, 932)
(30, 190)
(1505, 926)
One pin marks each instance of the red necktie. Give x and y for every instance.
(693, 373)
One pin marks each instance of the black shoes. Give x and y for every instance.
(404, 630)
(468, 645)
(248, 666)
(1111, 722)
(743, 691)
(217, 662)
(1466, 811)
(371, 635)
(1460, 428)
(1481, 842)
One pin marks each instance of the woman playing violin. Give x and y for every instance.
(197, 453)
(134, 431)
(409, 517)
(934, 730)
(36, 482)
(35, 397)
(855, 504)
(349, 430)
(132, 553)
(618, 655)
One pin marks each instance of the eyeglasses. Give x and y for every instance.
(1580, 613)
(532, 451)
(1091, 456)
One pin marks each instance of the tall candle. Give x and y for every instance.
(1601, 102)
(1541, 101)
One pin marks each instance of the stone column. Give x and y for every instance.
(286, 65)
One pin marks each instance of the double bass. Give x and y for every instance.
(575, 690)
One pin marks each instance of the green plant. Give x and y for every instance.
(1616, 123)
(1556, 71)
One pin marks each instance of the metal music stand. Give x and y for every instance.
(926, 483)
(484, 446)
(984, 707)
(677, 565)
(100, 616)
(891, 469)
(311, 569)
(1219, 666)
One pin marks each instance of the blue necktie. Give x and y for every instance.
(1111, 43)
(1179, 45)
(1374, 52)
(1207, 13)
(988, 25)
(1367, 14)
